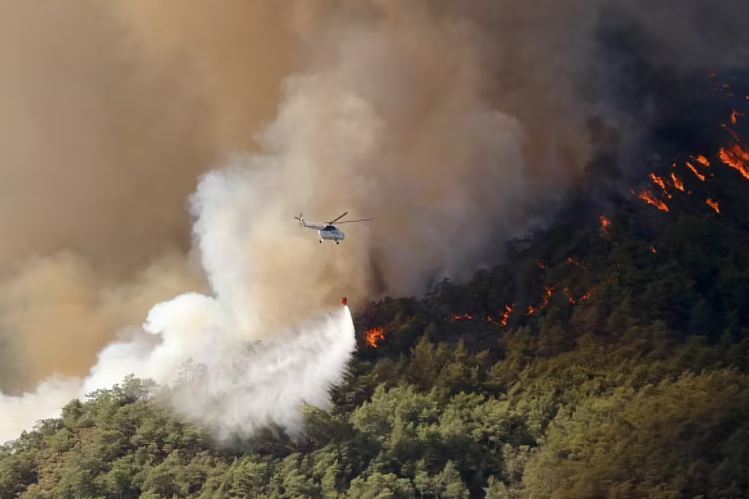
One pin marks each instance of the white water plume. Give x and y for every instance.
(230, 386)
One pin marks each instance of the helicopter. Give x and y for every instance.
(328, 230)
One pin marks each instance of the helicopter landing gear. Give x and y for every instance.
(320, 241)
(338, 242)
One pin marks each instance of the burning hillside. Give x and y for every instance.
(494, 143)
(733, 156)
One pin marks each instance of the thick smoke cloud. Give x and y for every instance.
(103, 131)
(457, 125)
(66, 312)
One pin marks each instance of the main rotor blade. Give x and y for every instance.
(339, 217)
(359, 220)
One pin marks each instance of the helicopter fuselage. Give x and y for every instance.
(328, 231)
(331, 233)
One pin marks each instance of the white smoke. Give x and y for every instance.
(19, 412)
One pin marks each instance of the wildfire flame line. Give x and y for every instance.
(505, 317)
(737, 158)
(703, 161)
(695, 171)
(660, 183)
(734, 156)
(677, 182)
(713, 204)
(650, 199)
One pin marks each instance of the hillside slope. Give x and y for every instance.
(608, 356)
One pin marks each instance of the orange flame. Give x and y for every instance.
(694, 170)
(569, 296)
(737, 158)
(374, 336)
(713, 204)
(677, 182)
(505, 318)
(660, 183)
(605, 223)
(648, 198)
(735, 115)
(545, 300)
(703, 160)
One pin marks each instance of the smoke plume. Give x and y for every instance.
(456, 125)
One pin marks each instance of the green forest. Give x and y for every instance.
(606, 356)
